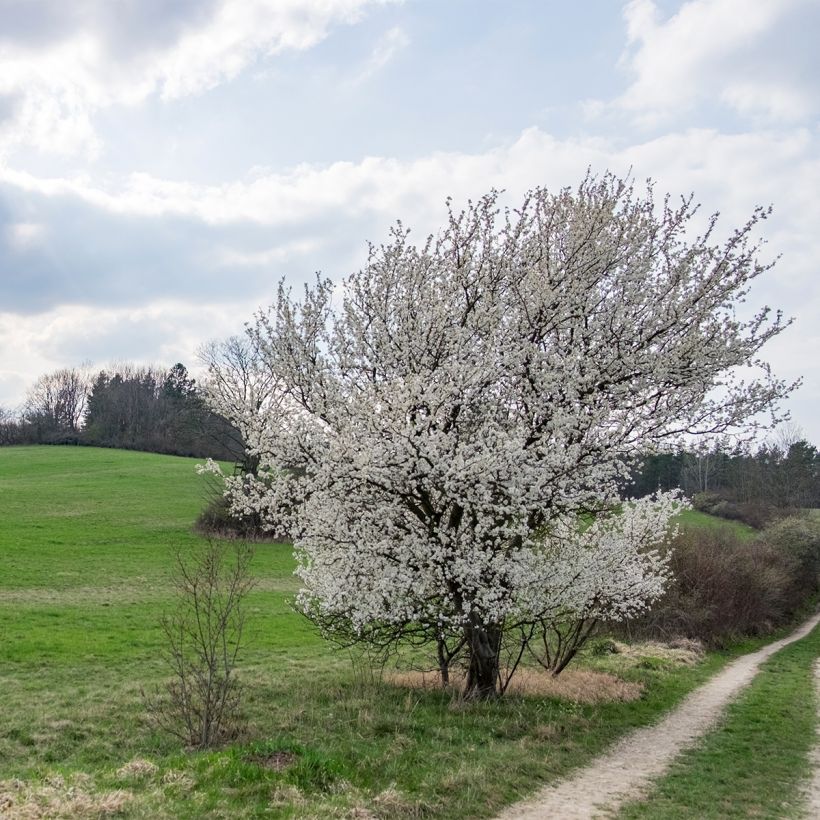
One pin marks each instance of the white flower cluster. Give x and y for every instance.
(611, 569)
(432, 445)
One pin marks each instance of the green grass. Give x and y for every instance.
(753, 764)
(695, 518)
(86, 543)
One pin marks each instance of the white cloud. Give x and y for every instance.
(771, 100)
(56, 88)
(24, 234)
(732, 173)
(389, 44)
(232, 258)
(725, 51)
(158, 333)
(242, 31)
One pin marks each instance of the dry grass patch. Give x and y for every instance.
(57, 797)
(136, 591)
(275, 762)
(285, 795)
(388, 803)
(137, 769)
(577, 685)
(176, 779)
(680, 652)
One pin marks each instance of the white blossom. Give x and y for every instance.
(431, 444)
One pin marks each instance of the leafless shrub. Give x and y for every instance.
(725, 587)
(200, 704)
(756, 513)
(798, 539)
(555, 642)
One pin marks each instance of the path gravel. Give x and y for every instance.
(813, 802)
(625, 772)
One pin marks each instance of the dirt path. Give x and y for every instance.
(625, 772)
(813, 802)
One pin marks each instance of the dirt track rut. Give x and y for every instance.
(624, 773)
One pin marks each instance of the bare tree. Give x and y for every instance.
(238, 377)
(703, 467)
(200, 704)
(56, 401)
(9, 427)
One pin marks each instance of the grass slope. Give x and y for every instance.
(86, 540)
(702, 520)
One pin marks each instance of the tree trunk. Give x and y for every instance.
(443, 663)
(483, 644)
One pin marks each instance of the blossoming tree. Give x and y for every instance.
(440, 436)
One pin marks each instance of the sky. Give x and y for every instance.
(164, 163)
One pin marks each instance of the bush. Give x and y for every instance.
(725, 588)
(200, 704)
(218, 521)
(757, 513)
(798, 537)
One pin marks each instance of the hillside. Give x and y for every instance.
(86, 542)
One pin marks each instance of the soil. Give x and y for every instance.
(625, 772)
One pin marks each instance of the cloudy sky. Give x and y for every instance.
(164, 162)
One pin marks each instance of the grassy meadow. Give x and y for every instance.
(86, 545)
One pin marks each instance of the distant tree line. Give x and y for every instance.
(745, 483)
(127, 406)
(165, 411)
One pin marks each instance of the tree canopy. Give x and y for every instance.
(436, 436)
